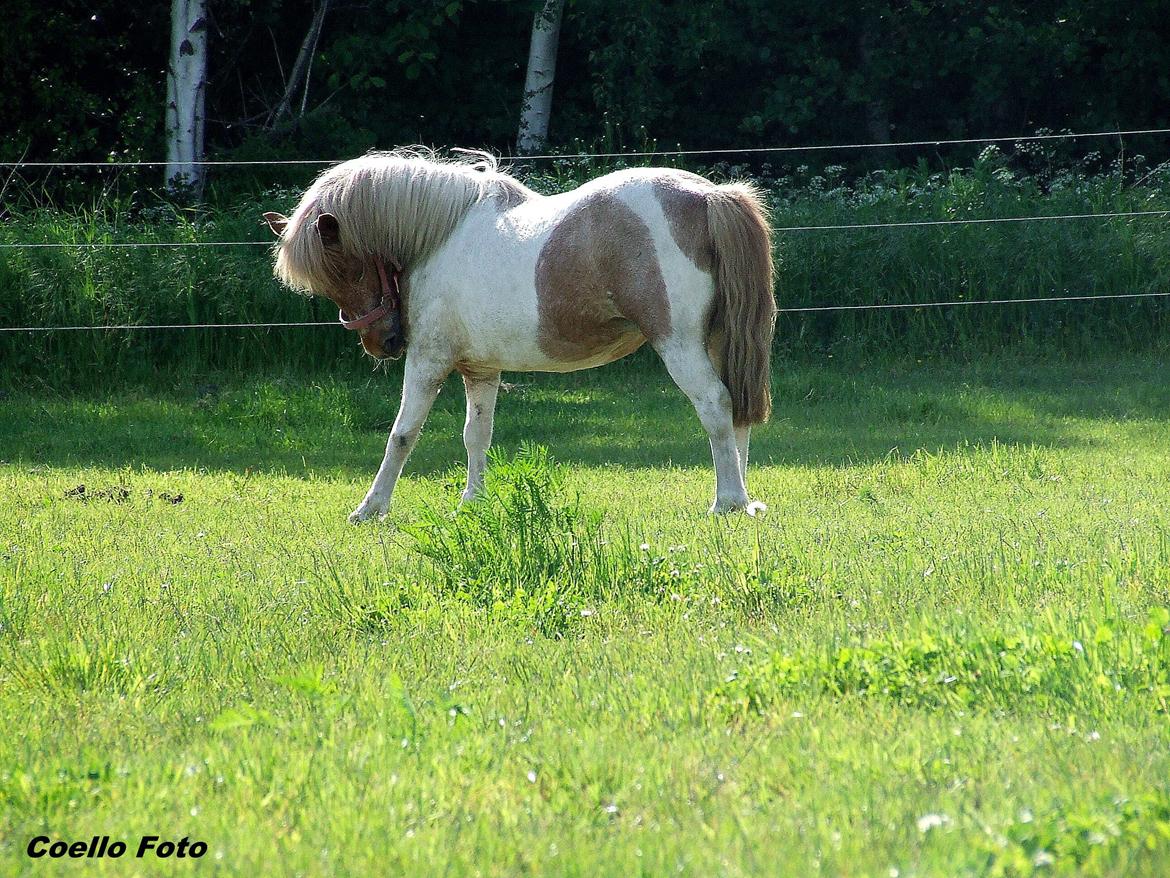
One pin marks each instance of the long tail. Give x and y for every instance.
(744, 304)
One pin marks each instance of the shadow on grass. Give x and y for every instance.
(627, 415)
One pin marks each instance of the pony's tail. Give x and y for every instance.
(745, 308)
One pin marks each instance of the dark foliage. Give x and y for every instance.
(89, 77)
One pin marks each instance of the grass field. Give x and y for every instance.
(943, 651)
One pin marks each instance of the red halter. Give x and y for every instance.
(391, 297)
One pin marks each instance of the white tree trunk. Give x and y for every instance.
(186, 87)
(538, 84)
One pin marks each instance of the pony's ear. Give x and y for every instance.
(329, 229)
(276, 221)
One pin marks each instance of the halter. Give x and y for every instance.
(390, 302)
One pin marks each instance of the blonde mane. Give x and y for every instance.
(401, 205)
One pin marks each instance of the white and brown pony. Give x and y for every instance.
(465, 268)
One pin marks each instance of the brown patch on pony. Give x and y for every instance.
(685, 206)
(352, 284)
(476, 372)
(600, 292)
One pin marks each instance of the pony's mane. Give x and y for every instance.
(401, 205)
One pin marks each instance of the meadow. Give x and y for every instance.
(943, 651)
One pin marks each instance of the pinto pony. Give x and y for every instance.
(466, 269)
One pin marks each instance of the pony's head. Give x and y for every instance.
(319, 264)
(363, 216)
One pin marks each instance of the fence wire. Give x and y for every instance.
(747, 150)
(878, 306)
(908, 224)
(134, 327)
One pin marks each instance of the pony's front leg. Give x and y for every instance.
(420, 386)
(477, 429)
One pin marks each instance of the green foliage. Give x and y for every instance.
(522, 530)
(84, 81)
(861, 71)
(1081, 838)
(152, 285)
(961, 669)
(968, 262)
(524, 547)
(633, 73)
(56, 668)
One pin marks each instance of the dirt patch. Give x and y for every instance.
(119, 494)
(111, 494)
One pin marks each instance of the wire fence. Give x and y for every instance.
(748, 150)
(966, 221)
(75, 245)
(133, 327)
(877, 306)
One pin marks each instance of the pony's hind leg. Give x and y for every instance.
(691, 369)
(420, 385)
(477, 429)
(742, 437)
(716, 340)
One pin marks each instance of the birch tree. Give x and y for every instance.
(186, 92)
(538, 84)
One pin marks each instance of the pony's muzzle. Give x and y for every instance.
(388, 342)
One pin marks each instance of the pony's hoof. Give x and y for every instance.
(363, 513)
(750, 507)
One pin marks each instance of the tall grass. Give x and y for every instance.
(1042, 660)
(82, 285)
(99, 286)
(972, 262)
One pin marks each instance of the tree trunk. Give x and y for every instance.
(538, 84)
(877, 116)
(303, 63)
(186, 90)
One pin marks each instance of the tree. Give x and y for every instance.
(538, 84)
(186, 92)
(303, 64)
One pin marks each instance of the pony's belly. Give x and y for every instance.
(573, 357)
(589, 357)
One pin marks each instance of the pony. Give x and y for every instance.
(464, 268)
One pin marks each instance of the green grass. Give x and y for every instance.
(942, 652)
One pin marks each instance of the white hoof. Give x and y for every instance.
(751, 507)
(364, 513)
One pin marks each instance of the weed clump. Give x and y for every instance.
(523, 547)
